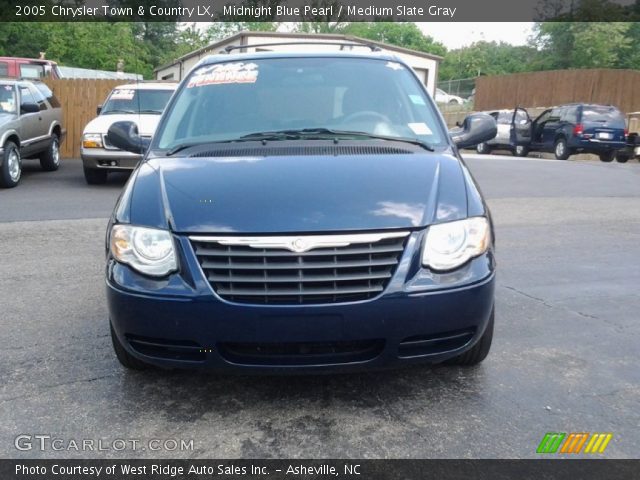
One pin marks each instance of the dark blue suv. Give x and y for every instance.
(571, 129)
(301, 212)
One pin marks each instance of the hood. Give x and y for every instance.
(300, 194)
(146, 123)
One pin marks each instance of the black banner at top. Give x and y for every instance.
(319, 469)
(320, 10)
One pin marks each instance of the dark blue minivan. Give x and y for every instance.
(301, 213)
(571, 129)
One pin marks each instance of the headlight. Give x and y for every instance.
(449, 245)
(92, 140)
(148, 250)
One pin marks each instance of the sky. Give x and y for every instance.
(460, 34)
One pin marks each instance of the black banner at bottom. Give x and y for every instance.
(543, 469)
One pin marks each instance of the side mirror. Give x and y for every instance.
(29, 108)
(124, 135)
(476, 128)
(98, 109)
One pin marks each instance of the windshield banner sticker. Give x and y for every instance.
(225, 73)
(122, 94)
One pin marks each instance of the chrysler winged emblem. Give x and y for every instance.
(299, 245)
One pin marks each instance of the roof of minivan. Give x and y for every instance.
(224, 57)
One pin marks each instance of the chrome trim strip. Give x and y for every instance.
(300, 243)
(34, 140)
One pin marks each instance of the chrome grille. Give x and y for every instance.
(324, 269)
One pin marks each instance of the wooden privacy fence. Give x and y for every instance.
(545, 89)
(79, 99)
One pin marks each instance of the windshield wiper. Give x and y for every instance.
(150, 111)
(322, 132)
(309, 133)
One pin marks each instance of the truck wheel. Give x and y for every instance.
(561, 149)
(125, 359)
(11, 167)
(483, 148)
(50, 158)
(479, 351)
(607, 156)
(93, 176)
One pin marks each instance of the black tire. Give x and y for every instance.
(50, 158)
(483, 148)
(94, 176)
(520, 151)
(479, 351)
(453, 101)
(622, 157)
(10, 171)
(607, 156)
(124, 358)
(561, 149)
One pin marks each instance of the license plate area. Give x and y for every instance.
(604, 135)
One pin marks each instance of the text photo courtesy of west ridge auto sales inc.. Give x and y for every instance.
(316, 240)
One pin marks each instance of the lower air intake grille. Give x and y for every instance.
(268, 270)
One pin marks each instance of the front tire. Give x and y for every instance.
(607, 156)
(11, 167)
(479, 351)
(483, 148)
(561, 149)
(125, 359)
(93, 176)
(50, 159)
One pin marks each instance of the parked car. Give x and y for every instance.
(574, 128)
(503, 139)
(30, 127)
(632, 149)
(28, 68)
(301, 212)
(142, 103)
(444, 97)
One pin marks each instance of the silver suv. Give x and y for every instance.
(30, 127)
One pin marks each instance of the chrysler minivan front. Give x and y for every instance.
(301, 212)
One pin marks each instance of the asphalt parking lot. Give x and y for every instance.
(564, 359)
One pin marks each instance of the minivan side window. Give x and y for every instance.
(4, 69)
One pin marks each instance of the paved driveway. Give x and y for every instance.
(565, 354)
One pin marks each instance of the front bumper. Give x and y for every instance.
(182, 322)
(101, 158)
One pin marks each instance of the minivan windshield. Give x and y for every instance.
(125, 100)
(230, 100)
(603, 114)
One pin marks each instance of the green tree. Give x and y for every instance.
(582, 44)
(486, 58)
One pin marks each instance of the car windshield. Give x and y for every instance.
(315, 96)
(7, 98)
(603, 114)
(125, 100)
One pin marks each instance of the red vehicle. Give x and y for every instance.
(35, 68)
